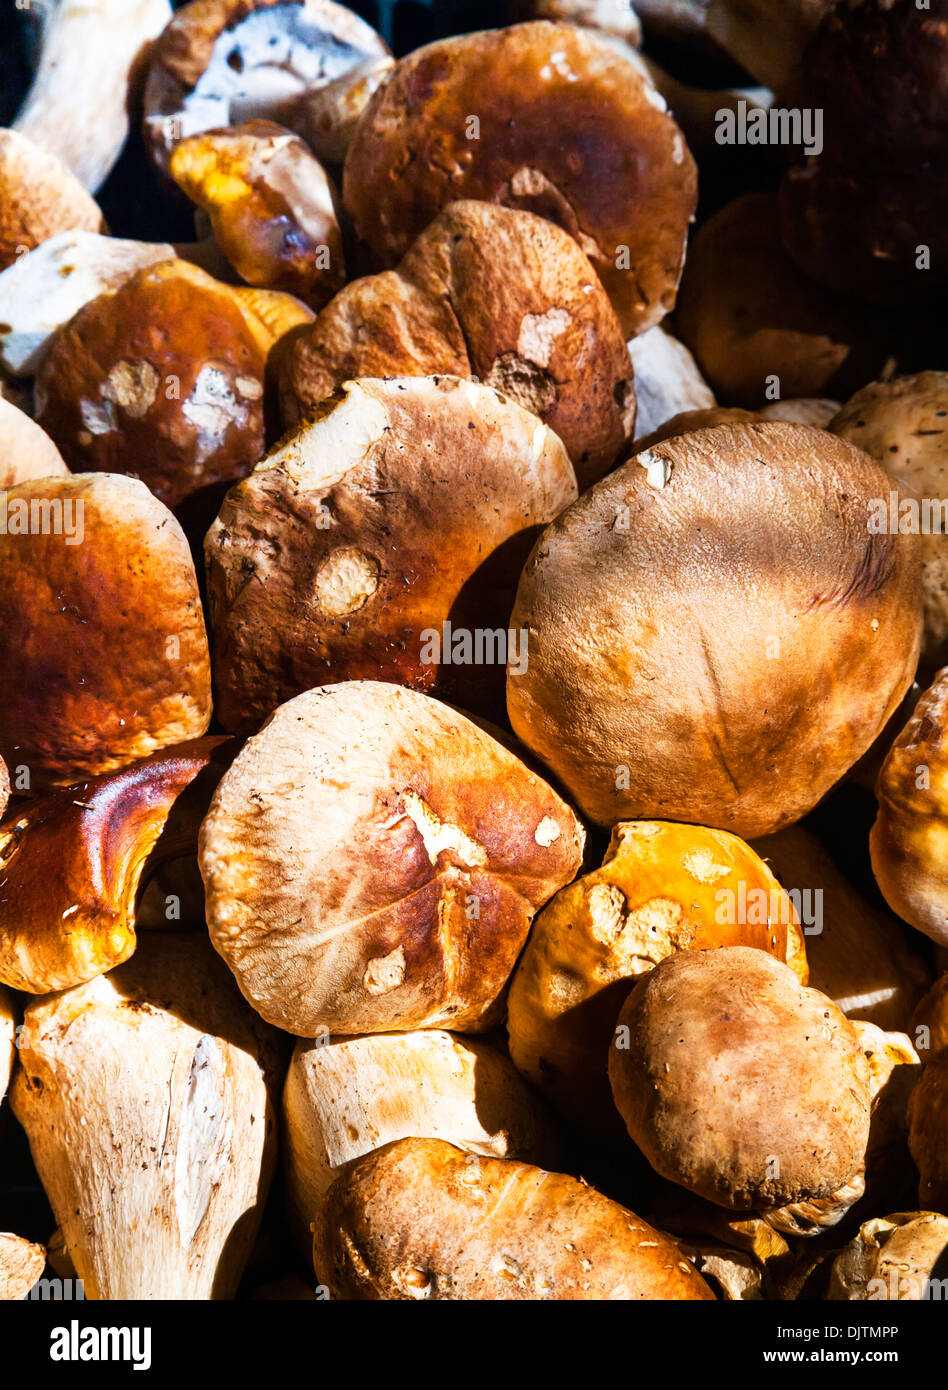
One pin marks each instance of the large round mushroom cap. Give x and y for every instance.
(716, 633)
(103, 653)
(545, 117)
(739, 1083)
(372, 861)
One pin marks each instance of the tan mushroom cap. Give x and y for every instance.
(72, 863)
(420, 1219)
(372, 861)
(38, 198)
(568, 128)
(928, 1133)
(147, 1096)
(929, 1026)
(892, 1258)
(903, 424)
(713, 637)
(661, 888)
(345, 1097)
(401, 507)
(491, 293)
(104, 653)
(909, 840)
(21, 1265)
(739, 1084)
(26, 451)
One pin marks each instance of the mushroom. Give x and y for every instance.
(662, 888)
(614, 18)
(72, 863)
(42, 290)
(817, 413)
(146, 1097)
(421, 1219)
(667, 380)
(767, 329)
(163, 378)
(7, 1040)
(77, 107)
(909, 837)
(683, 613)
(486, 292)
(38, 198)
(744, 1087)
(361, 547)
(26, 451)
(928, 1133)
(270, 207)
(103, 653)
(858, 954)
(735, 1276)
(544, 117)
(903, 424)
(929, 1026)
(894, 1071)
(345, 1097)
(895, 1258)
(21, 1265)
(326, 117)
(372, 861)
(221, 62)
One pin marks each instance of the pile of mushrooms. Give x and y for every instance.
(461, 579)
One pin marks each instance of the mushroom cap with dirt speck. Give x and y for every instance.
(567, 128)
(687, 611)
(892, 1258)
(421, 1219)
(372, 864)
(38, 198)
(739, 1083)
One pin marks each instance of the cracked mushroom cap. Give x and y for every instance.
(929, 1026)
(21, 1265)
(372, 861)
(567, 128)
(420, 1219)
(103, 651)
(740, 1084)
(893, 1258)
(220, 62)
(485, 292)
(928, 1133)
(402, 507)
(345, 1097)
(714, 636)
(903, 424)
(38, 198)
(661, 888)
(26, 451)
(270, 207)
(147, 1096)
(909, 839)
(72, 863)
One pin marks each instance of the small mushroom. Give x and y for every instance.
(21, 1266)
(72, 863)
(544, 117)
(372, 861)
(103, 653)
(667, 381)
(146, 1097)
(895, 1258)
(744, 1087)
(661, 888)
(38, 198)
(486, 292)
(345, 1097)
(26, 451)
(929, 1026)
(928, 1133)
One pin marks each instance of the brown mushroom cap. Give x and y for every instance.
(219, 62)
(26, 451)
(568, 128)
(491, 293)
(372, 861)
(38, 197)
(929, 1026)
(909, 840)
(748, 314)
(364, 533)
(661, 888)
(72, 863)
(103, 651)
(420, 1219)
(928, 1133)
(21, 1265)
(891, 1258)
(903, 424)
(740, 1084)
(714, 636)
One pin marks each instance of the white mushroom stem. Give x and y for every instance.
(667, 381)
(77, 107)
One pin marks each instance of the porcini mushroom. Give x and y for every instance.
(21, 1265)
(667, 380)
(146, 1097)
(420, 1219)
(38, 198)
(684, 611)
(372, 861)
(661, 888)
(892, 1258)
(26, 451)
(326, 116)
(103, 653)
